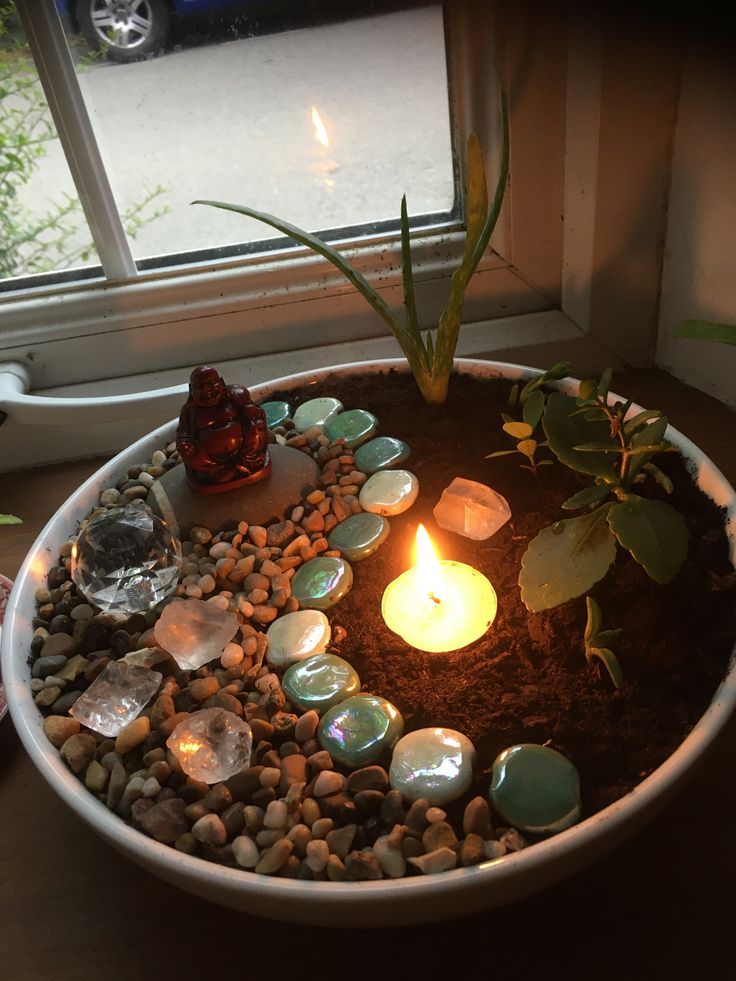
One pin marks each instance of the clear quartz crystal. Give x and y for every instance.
(211, 745)
(126, 560)
(194, 632)
(116, 697)
(471, 509)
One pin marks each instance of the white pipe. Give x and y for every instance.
(39, 410)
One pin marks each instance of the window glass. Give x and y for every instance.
(320, 116)
(42, 226)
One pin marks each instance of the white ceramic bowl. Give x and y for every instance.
(411, 900)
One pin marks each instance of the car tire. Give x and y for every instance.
(128, 30)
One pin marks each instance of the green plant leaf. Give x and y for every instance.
(534, 408)
(654, 533)
(594, 621)
(604, 637)
(661, 478)
(566, 559)
(707, 330)
(519, 430)
(407, 274)
(565, 431)
(588, 390)
(589, 495)
(408, 344)
(500, 453)
(639, 420)
(605, 447)
(557, 372)
(610, 662)
(10, 519)
(514, 395)
(653, 433)
(605, 383)
(646, 442)
(528, 447)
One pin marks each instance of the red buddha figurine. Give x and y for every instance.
(222, 435)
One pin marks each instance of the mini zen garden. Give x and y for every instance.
(391, 624)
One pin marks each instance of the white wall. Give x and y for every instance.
(699, 271)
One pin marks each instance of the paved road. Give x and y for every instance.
(233, 121)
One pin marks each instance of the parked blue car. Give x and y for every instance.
(133, 29)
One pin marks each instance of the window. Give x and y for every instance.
(227, 291)
(304, 122)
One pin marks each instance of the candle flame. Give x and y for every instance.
(320, 130)
(428, 566)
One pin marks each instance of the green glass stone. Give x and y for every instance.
(359, 730)
(354, 426)
(321, 582)
(535, 789)
(360, 535)
(316, 412)
(276, 413)
(389, 492)
(381, 453)
(319, 682)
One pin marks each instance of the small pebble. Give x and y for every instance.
(276, 815)
(59, 728)
(441, 860)
(494, 849)
(317, 853)
(335, 869)
(390, 858)
(340, 840)
(245, 852)
(270, 776)
(272, 860)
(322, 827)
(329, 782)
(210, 830)
(310, 811)
(132, 735)
(78, 751)
(306, 726)
(362, 866)
(472, 850)
(96, 777)
(437, 836)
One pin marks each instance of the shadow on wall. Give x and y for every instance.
(699, 269)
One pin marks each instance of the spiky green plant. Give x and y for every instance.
(430, 357)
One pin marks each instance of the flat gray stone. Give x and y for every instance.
(293, 475)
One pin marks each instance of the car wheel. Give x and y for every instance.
(129, 30)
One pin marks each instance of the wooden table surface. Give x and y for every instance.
(662, 906)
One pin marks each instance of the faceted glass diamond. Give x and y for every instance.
(126, 560)
(211, 745)
(116, 697)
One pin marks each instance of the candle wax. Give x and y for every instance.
(454, 610)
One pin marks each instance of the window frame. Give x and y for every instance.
(247, 302)
(596, 107)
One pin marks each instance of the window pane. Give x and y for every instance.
(42, 226)
(322, 121)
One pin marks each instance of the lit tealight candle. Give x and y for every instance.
(438, 605)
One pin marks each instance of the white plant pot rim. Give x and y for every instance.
(386, 902)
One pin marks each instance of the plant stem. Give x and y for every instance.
(618, 429)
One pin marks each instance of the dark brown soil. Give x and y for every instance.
(527, 680)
